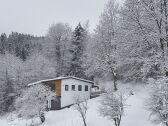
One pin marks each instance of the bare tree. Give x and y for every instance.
(112, 107)
(81, 105)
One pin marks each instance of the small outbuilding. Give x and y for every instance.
(66, 90)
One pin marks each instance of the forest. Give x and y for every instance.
(129, 44)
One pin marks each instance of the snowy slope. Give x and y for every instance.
(70, 117)
(4, 122)
(135, 113)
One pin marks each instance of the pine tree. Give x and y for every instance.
(3, 42)
(76, 52)
(8, 92)
(2, 96)
(20, 45)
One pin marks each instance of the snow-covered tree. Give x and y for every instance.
(16, 74)
(58, 41)
(103, 56)
(144, 29)
(81, 105)
(158, 12)
(33, 101)
(3, 43)
(2, 99)
(8, 80)
(37, 67)
(112, 107)
(158, 101)
(77, 47)
(20, 44)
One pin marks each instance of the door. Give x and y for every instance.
(56, 104)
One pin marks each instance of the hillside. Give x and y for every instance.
(135, 112)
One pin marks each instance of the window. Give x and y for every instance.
(73, 87)
(66, 87)
(79, 87)
(52, 87)
(86, 87)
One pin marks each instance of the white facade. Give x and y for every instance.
(68, 97)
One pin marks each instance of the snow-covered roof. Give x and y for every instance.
(60, 78)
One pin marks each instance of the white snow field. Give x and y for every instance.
(4, 122)
(135, 113)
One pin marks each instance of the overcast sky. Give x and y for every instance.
(35, 16)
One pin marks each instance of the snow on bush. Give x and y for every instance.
(33, 101)
(158, 101)
(112, 107)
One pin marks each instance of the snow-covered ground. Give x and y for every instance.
(135, 113)
(4, 122)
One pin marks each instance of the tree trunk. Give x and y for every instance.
(119, 120)
(165, 3)
(166, 124)
(115, 122)
(84, 121)
(115, 85)
(42, 117)
(115, 81)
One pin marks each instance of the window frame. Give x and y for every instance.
(73, 89)
(86, 88)
(66, 87)
(79, 87)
